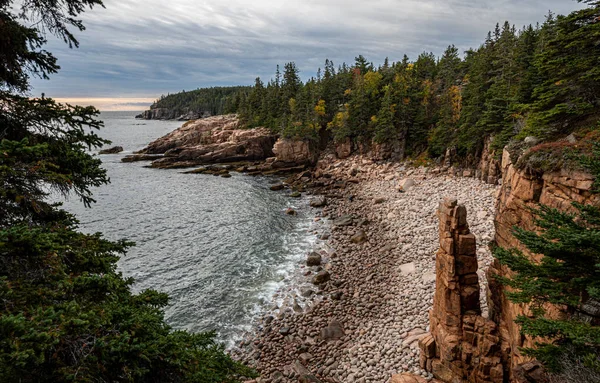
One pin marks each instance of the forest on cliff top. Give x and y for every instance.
(540, 80)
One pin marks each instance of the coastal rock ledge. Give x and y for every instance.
(207, 141)
(221, 139)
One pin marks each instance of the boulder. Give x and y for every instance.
(408, 378)
(277, 187)
(333, 331)
(290, 211)
(314, 259)
(359, 237)
(305, 357)
(407, 268)
(321, 277)
(113, 150)
(343, 149)
(345, 220)
(406, 184)
(319, 201)
(531, 141)
(304, 374)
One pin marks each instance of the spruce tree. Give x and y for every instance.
(569, 64)
(66, 313)
(567, 276)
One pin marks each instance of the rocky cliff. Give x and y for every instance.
(465, 346)
(220, 139)
(518, 192)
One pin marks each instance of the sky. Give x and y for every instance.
(135, 50)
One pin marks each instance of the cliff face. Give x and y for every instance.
(518, 192)
(464, 346)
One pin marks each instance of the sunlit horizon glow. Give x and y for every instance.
(110, 104)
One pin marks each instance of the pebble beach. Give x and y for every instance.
(369, 284)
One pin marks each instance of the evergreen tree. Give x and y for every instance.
(66, 313)
(570, 67)
(568, 275)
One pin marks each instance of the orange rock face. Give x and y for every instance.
(295, 152)
(462, 345)
(518, 192)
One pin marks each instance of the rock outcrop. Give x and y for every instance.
(488, 169)
(221, 139)
(294, 152)
(210, 140)
(113, 150)
(343, 149)
(463, 346)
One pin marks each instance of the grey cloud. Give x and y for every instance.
(144, 48)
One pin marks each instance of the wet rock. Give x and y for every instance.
(314, 259)
(379, 200)
(336, 296)
(307, 293)
(141, 157)
(277, 187)
(284, 331)
(321, 277)
(290, 211)
(113, 150)
(296, 195)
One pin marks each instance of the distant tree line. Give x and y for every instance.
(216, 100)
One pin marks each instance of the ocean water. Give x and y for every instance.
(220, 247)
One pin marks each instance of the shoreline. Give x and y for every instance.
(363, 325)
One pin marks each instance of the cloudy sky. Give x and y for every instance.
(135, 50)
